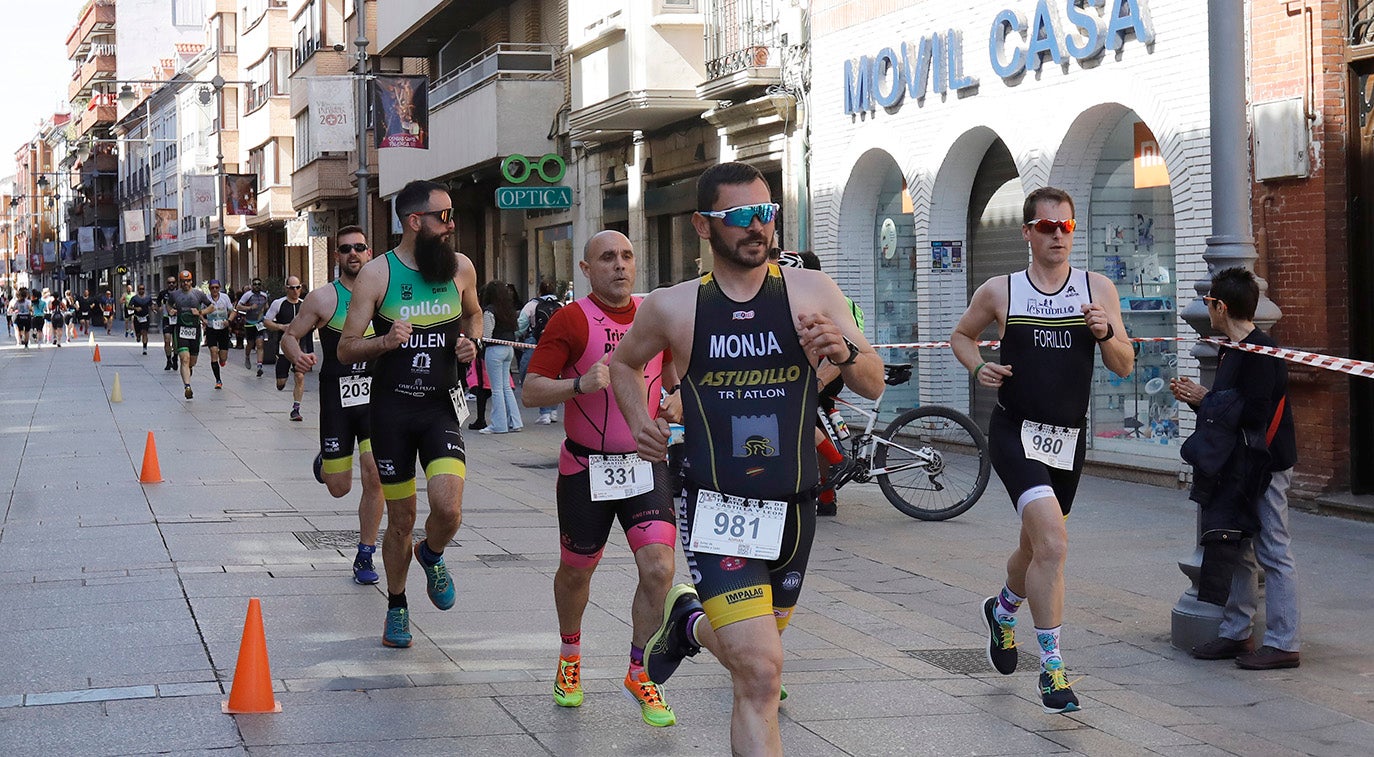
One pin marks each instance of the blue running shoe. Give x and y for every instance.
(363, 572)
(397, 633)
(437, 583)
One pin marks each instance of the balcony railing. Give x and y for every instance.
(742, 34)
(97, 15)
(508, 60)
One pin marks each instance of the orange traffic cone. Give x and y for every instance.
(97, 353)
(152, 472)
(251, 690)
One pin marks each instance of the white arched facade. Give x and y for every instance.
(1054, 123)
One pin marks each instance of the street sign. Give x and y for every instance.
(532, 198)
(122, 270)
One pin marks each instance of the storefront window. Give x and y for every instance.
(1132, 243)
(894, 251)
(554, 258)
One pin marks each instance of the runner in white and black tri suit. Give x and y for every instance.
(745, 339)
(421, 301)
(1053, 319)
(345, 396)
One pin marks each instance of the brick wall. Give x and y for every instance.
(1301, 226)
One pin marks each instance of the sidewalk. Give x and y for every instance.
(124, 605)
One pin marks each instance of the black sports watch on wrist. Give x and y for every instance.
(853, 353)
(1111, 332)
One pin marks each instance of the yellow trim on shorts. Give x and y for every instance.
(750, 602)
(446, 465)
(364, 446)
(399, 490)
(337, 464)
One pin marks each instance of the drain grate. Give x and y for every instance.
(965, 661)
(544, 465)
(345, 540)
(501, 558)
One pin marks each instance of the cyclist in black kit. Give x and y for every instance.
(1053, 318)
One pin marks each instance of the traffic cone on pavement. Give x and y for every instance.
(152, 472)
(251, 690)
(97, 354)
(91, 339)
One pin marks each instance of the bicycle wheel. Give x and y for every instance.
(937, 463)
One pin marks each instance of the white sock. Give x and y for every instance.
(1048, 639)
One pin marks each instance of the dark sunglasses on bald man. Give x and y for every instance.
(345, 249)
(743, 215)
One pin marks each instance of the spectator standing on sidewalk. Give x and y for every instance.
(534, 318)
(1262, 384)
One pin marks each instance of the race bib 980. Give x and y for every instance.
(1054, 446)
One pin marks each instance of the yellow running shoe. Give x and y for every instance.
(652, 708)
(567, 684)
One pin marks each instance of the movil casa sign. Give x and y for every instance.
(1056, 32)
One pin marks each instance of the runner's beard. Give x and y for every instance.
(435, 258)
(721, 249)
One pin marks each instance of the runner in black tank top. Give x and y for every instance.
(1053, 318)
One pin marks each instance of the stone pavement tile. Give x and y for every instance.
(938, 735)
(425, 689)
(1220, 691)
(190, 689)
(1021, 711)
(875, 699)
(99, 547)
(1236, 740)
(355, 717)
(1349, 737)
(118, 727)
(11, 700)
(199, 674)
(1295, 715)
(523, 744)
(1149, 708)
(1091, 741)
(1127, 727)
(100, 694)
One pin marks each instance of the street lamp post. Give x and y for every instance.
(361, 42)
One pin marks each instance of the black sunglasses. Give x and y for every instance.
(443, 215)
(345, 249)
(293, 286)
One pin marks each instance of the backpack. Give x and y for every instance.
(543, 311)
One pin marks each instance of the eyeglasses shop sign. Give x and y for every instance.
(1058, 30)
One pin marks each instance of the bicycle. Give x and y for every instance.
(931, 462)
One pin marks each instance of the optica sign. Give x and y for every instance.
(1057, 31)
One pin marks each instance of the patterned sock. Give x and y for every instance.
(570, 644)
(636, 661)
(1007, 604)
(1049, 646)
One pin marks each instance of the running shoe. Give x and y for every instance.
(669, 644)
(1054, 689)
(363, 572)
(397, 633)
(189, 393)
(782, 693)
(296, 414)
(1002, 653)
(259, 371)
(652, 708)
(318, 467)
(219, 384)
(567, 683)
(247, 362)
(437, 582)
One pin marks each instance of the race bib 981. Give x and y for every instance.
(726, 525)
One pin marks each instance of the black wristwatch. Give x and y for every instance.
(853, 353)
(1111, 332)
(577, 385)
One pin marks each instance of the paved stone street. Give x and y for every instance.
(124, 606)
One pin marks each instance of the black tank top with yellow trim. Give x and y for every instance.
(749, 396)
(1050, 350)
(425, 366)
(330, 367)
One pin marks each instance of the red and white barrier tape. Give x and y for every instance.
(1316, 360)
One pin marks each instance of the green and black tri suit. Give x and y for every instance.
(341, 424)
(412, 411)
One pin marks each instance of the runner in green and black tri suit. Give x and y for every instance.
(421, 300)
(746, 340)
(345, 396)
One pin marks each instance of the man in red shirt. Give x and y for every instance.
(600, 477)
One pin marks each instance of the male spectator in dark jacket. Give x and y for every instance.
(1262, 382)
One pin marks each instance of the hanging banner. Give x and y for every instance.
(165, 223)
(69, 252)
(134, 230)
(295, 232)
(105, 238)
(241, 194)
(85, 238)
(333, 114)
(200, 193)
(50, 252)
(402, 107)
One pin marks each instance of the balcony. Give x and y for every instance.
(96, 115)
(508, 60)
(322, 179)
(633, 72)
(418, 28)
(97, 17)
(495, 118)
(744, 48)
(99, 67)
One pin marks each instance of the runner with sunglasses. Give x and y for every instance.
(279, 315)
(421, 301)
(217, 329)
(345, 393)
(746, 340)
(252, 304)
(1053, 319)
